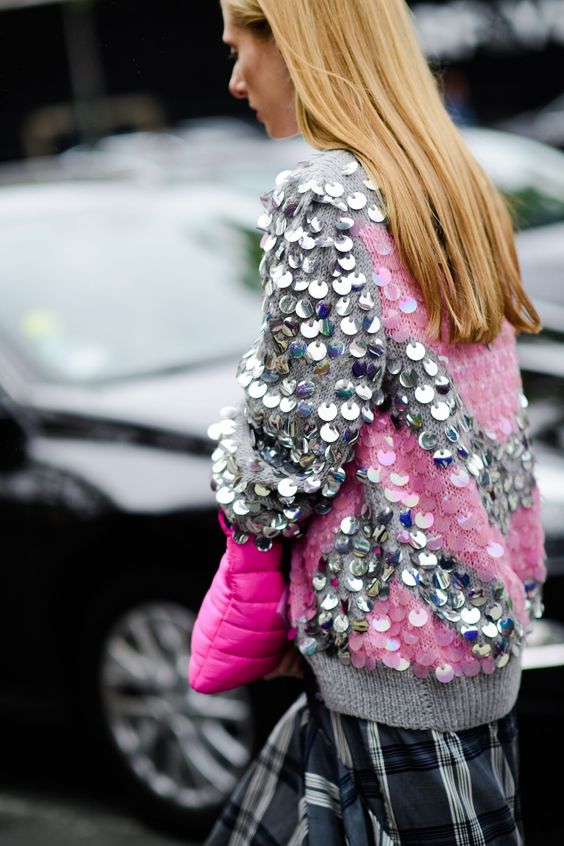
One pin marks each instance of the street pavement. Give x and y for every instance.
(30, 820)
(54, 792)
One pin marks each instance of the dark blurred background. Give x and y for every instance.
(71, 71)
(71, 75)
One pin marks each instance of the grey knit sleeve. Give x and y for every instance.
(313, 376)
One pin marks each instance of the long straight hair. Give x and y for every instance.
(362, 83)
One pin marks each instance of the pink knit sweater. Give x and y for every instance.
(401, 464)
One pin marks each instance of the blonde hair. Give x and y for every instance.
(362, 83)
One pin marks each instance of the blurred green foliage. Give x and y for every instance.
(252, 254)
(532, 207)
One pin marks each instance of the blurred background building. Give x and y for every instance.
(73, 70)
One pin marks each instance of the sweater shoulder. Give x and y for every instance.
(310, 176)
(325, 163)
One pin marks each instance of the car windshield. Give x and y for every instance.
(109, 280)
(104, 282)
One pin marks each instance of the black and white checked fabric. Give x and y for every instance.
(328, 779)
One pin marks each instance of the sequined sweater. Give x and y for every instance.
(400, 466)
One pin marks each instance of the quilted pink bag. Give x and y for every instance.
(241, 632)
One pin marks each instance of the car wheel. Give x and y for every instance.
(181, 753)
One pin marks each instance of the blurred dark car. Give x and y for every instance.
(125, 309)
(127, 297)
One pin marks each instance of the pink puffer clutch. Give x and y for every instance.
(241, 630)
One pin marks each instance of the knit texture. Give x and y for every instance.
(402, 465)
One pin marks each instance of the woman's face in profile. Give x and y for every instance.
(260, 76)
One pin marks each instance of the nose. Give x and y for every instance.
(237, 87)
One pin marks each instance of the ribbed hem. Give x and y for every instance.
(401, 699)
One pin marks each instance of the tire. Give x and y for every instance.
(175, 754)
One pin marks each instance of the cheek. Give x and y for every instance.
(280, 82)
(261, 72)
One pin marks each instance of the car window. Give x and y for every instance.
(127, 286)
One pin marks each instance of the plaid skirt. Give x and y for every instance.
(328, 779)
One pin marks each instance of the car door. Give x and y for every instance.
(40, 513)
